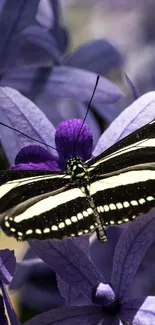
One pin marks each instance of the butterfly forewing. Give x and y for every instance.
(31, 210)
(136, 148)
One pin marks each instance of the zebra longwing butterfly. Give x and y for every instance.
(114, 187)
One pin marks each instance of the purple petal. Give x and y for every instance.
(35, 157)
(52, 13)
(132, 86)
(7, 265)
(73, 138)
(10, 311)
(68, 292)
(139, 311)
(79, 84)
(13, 20)
(3, 317)
(45, 51)
(108, 112)
(63, 258)
(98, 56)
(101, 259)
(88, 315)
(75, 109)
(133, 117)
(130, 251)
(30, 120)
(65, 82)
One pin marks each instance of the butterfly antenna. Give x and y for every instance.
(45, 144)
(89, 104)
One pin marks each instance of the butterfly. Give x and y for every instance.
(115, 187)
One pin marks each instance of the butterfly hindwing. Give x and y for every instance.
(123, 195)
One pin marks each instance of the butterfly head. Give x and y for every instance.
(77, 168)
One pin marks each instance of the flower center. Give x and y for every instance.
(113, 308)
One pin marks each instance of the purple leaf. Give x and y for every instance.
(133, 117)
(87, 315)
(70, 262)
(26, 117)
(15, 16)
(130, 251)
(139, 311)
(11, 313)
(98, 56)
(66, 82)
(7, 265)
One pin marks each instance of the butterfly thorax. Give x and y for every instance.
(77, 169)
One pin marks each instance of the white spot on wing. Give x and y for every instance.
(74, 219)
(54, 228)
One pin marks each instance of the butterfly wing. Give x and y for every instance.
(136, 148)
(43, 205)
(123, 177)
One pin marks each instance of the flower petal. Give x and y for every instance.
(13, 20)
(79, 84)
(101, 259)
(40, 48)
(68, 292)
(133, 117)
(11, 313)
(64, 82)
(7, 265)
(98, 56)
(139, 311)
(35, 157)
(73, 139)
(2, 312)
(130, 251)
(63, 258)
(31, 120)
(87, 315)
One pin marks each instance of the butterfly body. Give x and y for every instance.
(114, 187)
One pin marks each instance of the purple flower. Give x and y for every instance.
(33, 62)
(67, 145)
(7, 269)
(104, 303)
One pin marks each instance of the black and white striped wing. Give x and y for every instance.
(136, 148)
(42, 205)
(123, 177)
